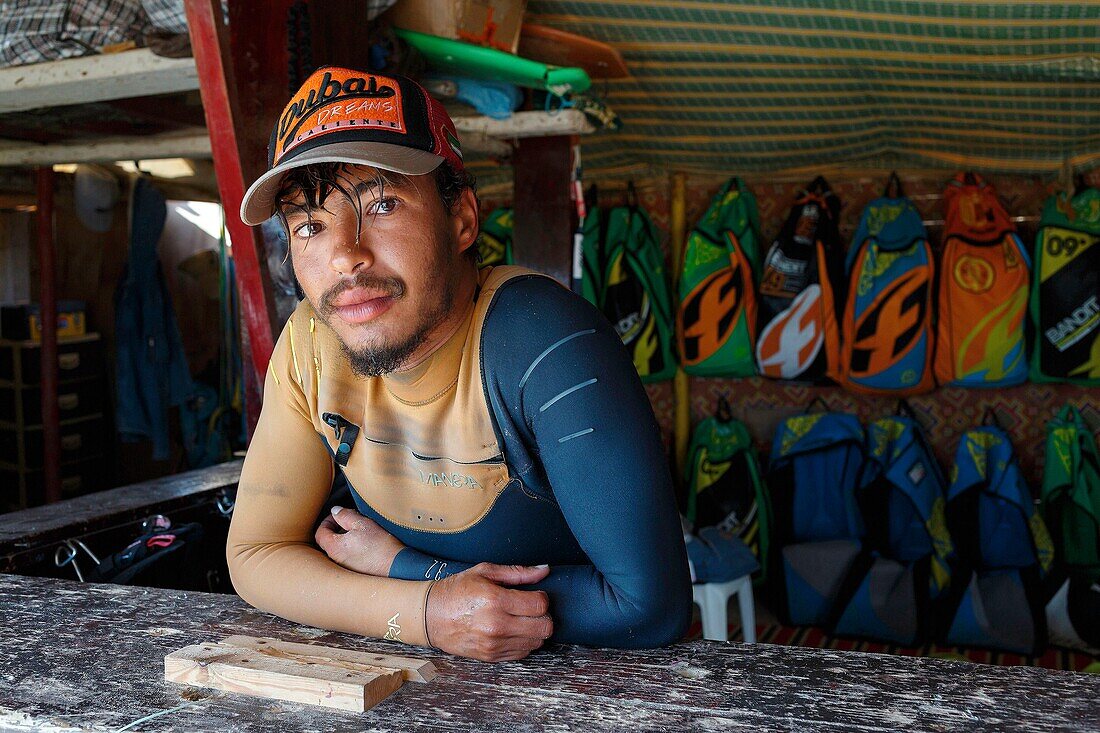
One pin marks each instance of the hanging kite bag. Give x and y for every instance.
(798, 322)
(816, 466)
(624, 276)
(725, 484)
(1005, 551)
(983, 290)
(716, 321)
(1065, 297)
(905, 567)
(887, 325)
(494, 245)
(1071, 507)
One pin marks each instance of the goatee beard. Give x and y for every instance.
(378, 360)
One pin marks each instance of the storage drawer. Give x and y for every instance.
(74, 399)
(21, 361)
(76, 479)
(80, 439)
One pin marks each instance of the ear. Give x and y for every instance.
(466, 220)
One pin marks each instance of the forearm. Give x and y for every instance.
(299, 583)
(412, 564)
(586, 608)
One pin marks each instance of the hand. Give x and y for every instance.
(472, 614)
(357, 543)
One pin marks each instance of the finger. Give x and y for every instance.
(348, 519)
(523, 602)
(329, 541)
(516, 649)
(512, 574)
(532, 628)
(493, 649)
(327, 532)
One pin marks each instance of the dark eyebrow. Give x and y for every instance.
(365, 187)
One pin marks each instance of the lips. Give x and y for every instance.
(360, 307)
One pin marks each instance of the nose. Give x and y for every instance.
(350, 255)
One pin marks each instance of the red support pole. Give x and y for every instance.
(234, 145)
(47, 299)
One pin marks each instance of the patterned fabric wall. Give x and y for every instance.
(786, 85)
(946, 412)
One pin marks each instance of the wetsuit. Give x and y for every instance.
(526, 438)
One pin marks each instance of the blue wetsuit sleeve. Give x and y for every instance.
(557, 373)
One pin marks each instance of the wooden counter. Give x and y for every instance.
(90, 657)
(28, 535)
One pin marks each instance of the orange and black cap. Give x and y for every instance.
(346, 116)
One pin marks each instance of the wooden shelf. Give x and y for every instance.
(140, 73)
(137, 73)
(527, 124)
(187, 144)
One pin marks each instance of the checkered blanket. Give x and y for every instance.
(44, 30)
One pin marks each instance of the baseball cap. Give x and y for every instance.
(345, 116)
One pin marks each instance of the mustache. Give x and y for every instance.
(389, 286)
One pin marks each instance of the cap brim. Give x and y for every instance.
(259, 201)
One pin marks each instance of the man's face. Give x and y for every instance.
(383, 277)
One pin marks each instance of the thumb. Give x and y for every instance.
(513, 574)
(348, 519)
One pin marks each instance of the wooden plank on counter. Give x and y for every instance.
(412, 669)
(252, 672)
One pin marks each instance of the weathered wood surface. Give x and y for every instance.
(50, 524)
(86, 657)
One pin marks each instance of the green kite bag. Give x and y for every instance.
(1070, 503)
(1071, 493)
(1065, 294)
(725, 486)
(624, 275)
(495, 243)
(717, 315)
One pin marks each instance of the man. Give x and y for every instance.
(507, 470)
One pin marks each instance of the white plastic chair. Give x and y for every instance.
(713, 600)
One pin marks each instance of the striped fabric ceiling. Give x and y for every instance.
(724, 86)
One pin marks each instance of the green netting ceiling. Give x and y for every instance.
(1010, 86)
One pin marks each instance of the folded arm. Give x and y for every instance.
(272, 560)
(276, 567)
(561, 373)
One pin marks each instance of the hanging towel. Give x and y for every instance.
(151, 370)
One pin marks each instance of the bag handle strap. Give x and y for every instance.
(591, 196)
(893, 183)
(990, 418)
(906, 410)
(819, 186)
(723, 412)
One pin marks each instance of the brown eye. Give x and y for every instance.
(382, 206)
(309, 229)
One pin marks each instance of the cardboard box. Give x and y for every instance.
(22, 321)
(493, 23)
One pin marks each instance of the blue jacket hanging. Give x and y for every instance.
(151, 373)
